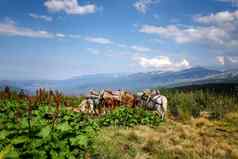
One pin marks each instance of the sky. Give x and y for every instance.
(60, 39)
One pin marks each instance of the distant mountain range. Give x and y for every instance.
(136, 81)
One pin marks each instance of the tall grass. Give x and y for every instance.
(186, 104)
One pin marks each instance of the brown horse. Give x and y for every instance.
(110, 100)
(128, 99)
(121, 98)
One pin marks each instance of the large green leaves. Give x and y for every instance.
(20, 140)
(9, 152)
(80, 140)
(70, 135)
(129, 117)
(45, 132)
(4, 134)
(64, 127)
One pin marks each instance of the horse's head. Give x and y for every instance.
(101, 96)
(142, 97)
(146, 94)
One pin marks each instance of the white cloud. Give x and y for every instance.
(217, 29)
(98, 40)
(232, 59)
(187, 35)
(232, 44)
(218, 18)
(143, 5)
(41, 17)
(60, 35)
(93, 51)
(70, 7)
(74, 36)
(227, 60)
(162, 63)
(10, 29)
(9, 21)
(140, 49)
(220, 60)
(231, 62)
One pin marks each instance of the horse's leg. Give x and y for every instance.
(111, 107)
(161, 112)
(101, 109)
(97, 111)
(113, 104)
(104, 110)
(92, 109)
(107, 107)
(162, 116)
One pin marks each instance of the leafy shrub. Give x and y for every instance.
(67, 135)
(186, 104)
(47, 133)
(128, 117)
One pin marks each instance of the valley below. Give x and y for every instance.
(133, 82)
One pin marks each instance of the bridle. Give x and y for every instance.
(154, 101)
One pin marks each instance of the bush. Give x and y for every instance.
(129, 117)
(184, 105)
(46, 133)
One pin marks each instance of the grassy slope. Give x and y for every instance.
(197, 138)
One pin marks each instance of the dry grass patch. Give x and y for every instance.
(198, 138)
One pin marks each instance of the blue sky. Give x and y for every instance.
(59, 39)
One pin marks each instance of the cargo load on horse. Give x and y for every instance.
(107, 100)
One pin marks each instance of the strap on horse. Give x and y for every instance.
(155, 100)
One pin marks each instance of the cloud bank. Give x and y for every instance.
(99, 40)
(41, 17)
(10, 29)
(143, 5)
(218, 29)
(162, 63)
(69, 7)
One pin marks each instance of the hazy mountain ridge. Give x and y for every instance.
(136, 81)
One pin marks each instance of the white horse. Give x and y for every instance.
(158, 103)
(85, 106)
(89, 105)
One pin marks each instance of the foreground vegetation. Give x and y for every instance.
(197, 138)
(44, 132)
(44, 126)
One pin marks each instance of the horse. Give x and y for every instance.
(128, 99)
(142, 98)
(89, 105)
(83, 107)
(158, 103)
(97, 102)
(109, 99)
